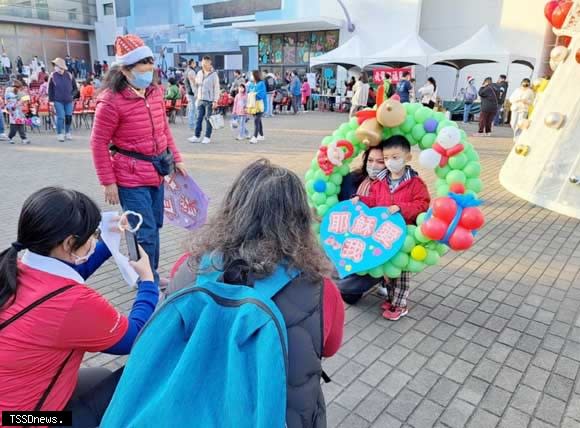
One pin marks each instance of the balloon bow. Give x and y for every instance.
(333, 155)
(447, 153)
(366, 114)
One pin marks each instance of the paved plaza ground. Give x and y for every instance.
(493, 334)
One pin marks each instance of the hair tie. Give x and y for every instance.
(18, 246)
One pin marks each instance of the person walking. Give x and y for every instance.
(6, 64)
(258, 86)
(131, 142)
(189, 81)
(361, 94)
(270, 81)
(489, 106)
(15, 112)
(208, 91)
(501, 88)
(428, 93)
(61, 87)
(469, 98)
(19, 64)
(295, 91)
(521, 101)
(306, 93)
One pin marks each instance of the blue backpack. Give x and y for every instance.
(214, 355)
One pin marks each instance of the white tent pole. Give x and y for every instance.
(456, 83)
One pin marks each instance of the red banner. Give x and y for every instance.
(396, 73)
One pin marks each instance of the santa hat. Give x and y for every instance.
(130, 49)
(470, 78)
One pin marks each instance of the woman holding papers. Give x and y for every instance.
(49, 317)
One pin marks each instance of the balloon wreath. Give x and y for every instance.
(453, 217)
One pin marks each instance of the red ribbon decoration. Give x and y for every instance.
(363, 115)
(447, 153)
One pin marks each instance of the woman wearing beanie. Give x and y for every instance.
(132, 145)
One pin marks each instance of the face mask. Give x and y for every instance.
(373, 172)
(141, 80)
(79, 260)
(395, 165)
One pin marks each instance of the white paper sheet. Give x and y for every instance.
(113, 242)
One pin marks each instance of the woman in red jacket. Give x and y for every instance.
(131, 141)
(265, 221)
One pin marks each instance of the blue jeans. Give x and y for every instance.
(191, 109)
(2, 122)
(497, 116)
(242, 126)
(147, 201)
(63, 117)
(204, 110)
(466, 111)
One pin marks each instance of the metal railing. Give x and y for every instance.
(74, 15)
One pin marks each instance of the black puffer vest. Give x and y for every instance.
(301, 305)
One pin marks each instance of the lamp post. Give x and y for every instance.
(350, 25)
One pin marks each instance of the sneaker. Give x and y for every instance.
(395, 313)
(61, 137)
(382, 291)
(488, 134)
(386, 306)
(240, 138)
(261, 138)
(68, 136)
(205, 141)
(4, 137)
(11, 142)
(194, 139)
(248, 137)
(253, 140)
(26, 141)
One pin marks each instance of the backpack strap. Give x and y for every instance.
(272, 285)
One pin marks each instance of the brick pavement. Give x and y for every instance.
(493, 334)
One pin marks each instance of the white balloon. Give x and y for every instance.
(449, 137)
(429, 158)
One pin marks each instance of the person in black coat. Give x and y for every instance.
(489, 105)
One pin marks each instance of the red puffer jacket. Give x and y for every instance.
(135, 124)
(412, 197)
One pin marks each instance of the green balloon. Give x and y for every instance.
(322, 209)
(309, 175)
(458, 161)
(472, 169)
(319, 198)
(411, 229)
(472, 156)
(415, 266)
(420, 237)
(332, 201)
(338, 135)
(418, 132)
(320, 175)
(439, 116)
(410, 139)
(432, 258)
(376, 272)
(353, 122)
(463, 135)
(411, 108)
(391, 271)
(467, 146)
(442, 249)
(427, 141)
(442, 171)
(351, 136)
(474, 184)
(396, 131)
(441, 181)
(336, 178)
(456, 176)
(345, 128)
(327, 140)
(421, 218)
(400, 259)
(409, 243)
(363, 272)
(422, 114)
(310, 186)
(408, 124)
(343, 169)
(446, 124)
(387, 133)
(314, 164)
(331, 189)
(442, 190)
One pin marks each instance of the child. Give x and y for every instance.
(401, 191)
(17, 117)
(239, 112)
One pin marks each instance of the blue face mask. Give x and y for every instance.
(141, 80)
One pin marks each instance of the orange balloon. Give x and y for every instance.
(560, 13)
(578, 56)
(564, 41)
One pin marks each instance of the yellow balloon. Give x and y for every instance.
(419, 253)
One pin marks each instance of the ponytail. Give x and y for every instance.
(8, 273)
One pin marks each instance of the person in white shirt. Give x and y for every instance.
(207, 94)
(6, 64)
(361, 94)
(521, 101)
(428, 93)
(190, 86)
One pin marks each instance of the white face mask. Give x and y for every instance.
(373, 172)
(79, 260)
(395, 165)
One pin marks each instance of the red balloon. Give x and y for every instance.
(457, 188)
(434, 228)
(549, 9)
(445, 209)
(564, 41)
(461, 239)
(471, 218)
(560, 13)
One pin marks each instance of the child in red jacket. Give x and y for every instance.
(400, 191)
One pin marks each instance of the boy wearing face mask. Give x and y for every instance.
(402, 190)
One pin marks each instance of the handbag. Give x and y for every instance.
(216, 121)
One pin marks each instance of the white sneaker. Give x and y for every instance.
(61, 137)
(26, 141)
(11, 142)
(240, 138)
(194, 139)
(382, 291)
(205, 141)
(261, 138)
(4, 137)
(253, 140)
(68, 136)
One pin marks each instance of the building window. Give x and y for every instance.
(72, 14)
(111, 50)
(108, 9)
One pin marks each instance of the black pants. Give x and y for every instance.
(306, 99)
(258, 128)
(21, 129)
(485, 121)
(92, 396)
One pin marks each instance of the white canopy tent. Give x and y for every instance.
(412, 50)
(347, 55)
(481, 48)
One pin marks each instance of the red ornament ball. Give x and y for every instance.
(457, 188)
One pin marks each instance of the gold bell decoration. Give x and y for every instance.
(522, 149)
(554, 120)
